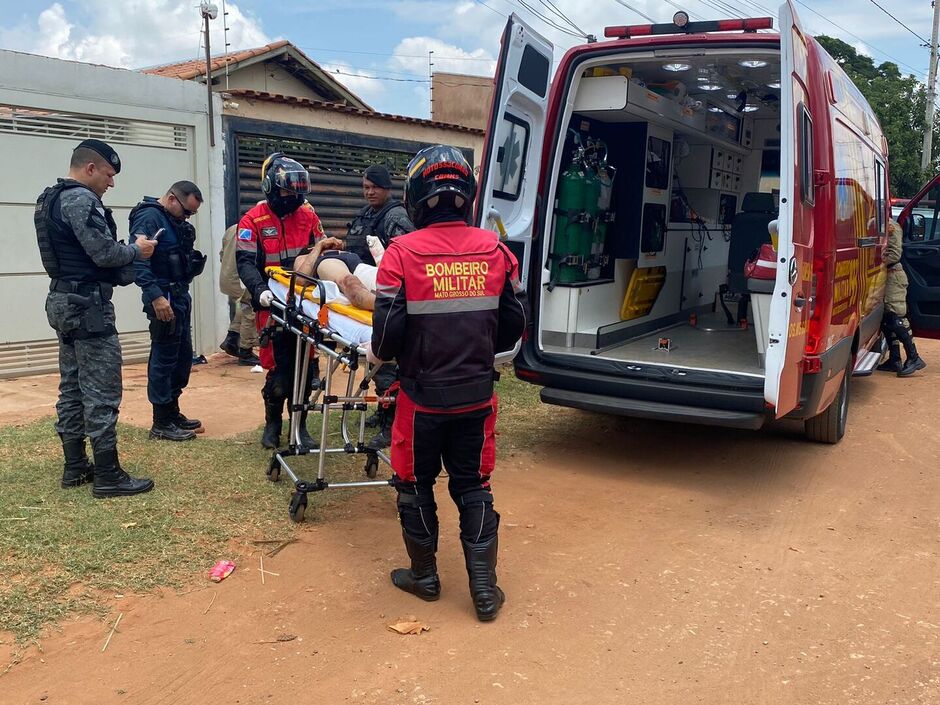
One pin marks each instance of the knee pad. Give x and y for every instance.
(478, 520)
(273, 389)
(417, 512)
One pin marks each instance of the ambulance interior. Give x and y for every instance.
(667, 181)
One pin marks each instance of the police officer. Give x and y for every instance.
(79, 249)
(242, 336)
(894, 325)
(448, 298)
(274, 233)
(382, 218)
(164, 281)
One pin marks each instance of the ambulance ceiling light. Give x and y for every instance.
(731, 96)
(750, 108)
(752, 63)
(677, 66)
(775, 84)
(710, 87)
(713, 109)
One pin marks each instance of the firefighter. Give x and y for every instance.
(894, 325)
(274, 233)
(448, 298)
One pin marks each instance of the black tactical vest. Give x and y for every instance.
(172, 263)
(63, 256)
(364, 225)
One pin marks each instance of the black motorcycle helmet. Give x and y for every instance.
(283, 173)
(440, 186)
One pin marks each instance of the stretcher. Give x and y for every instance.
(325, 323)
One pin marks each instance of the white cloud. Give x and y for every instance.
(362, 82)
(132, 33)
(412, 55)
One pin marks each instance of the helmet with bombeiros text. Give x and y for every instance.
(280, 173)
(440, 186)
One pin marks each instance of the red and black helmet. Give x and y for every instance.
(439, 177)
(280, 173)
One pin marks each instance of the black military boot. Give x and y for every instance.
(271, 437)
(421, 579)
(77, 470)
(247, 358)
(112, 481)
(914, 361)
(893, 363)
(230, 345)
(481, 568)
(183, 422)
(382, 439)
(306, 440)
(164, 428)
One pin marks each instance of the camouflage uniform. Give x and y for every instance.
(896, 284)
(894, 325)
(90, 368)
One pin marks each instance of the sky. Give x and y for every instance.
(380, 48)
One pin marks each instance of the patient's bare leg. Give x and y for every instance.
(358, 295)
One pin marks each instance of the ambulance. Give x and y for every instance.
(700, 213)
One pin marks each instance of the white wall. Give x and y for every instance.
(159, 128)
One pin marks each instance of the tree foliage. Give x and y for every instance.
(900, 103)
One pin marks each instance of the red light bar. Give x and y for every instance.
(746, 25)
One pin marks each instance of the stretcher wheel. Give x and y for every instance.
(298, 506)
(274, 470)
(372, 466)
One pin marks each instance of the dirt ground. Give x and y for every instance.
(643, 562)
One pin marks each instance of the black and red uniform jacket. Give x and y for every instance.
(265, 240)
(448, 298)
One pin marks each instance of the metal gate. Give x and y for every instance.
(335, 174)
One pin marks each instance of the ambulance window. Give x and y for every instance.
(805, 132)
(533, 71)
(510, 157)
(880, 196)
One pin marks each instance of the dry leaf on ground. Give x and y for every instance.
(409, 627)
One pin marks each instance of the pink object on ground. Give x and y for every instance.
(221, 570)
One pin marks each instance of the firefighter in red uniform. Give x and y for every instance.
(448, 298)
(274, 233)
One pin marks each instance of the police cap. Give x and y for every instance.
(379, 176)
(103, 149)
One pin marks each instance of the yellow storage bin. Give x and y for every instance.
(642, 292)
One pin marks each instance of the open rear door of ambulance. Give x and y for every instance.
(509, 176)
(789, 309)
(920, 220)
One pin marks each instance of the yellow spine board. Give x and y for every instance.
(282, 276)
(642, 292)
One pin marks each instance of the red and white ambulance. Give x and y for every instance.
(650, 186)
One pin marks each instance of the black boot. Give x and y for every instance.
(164, 428)
(481, 567)
(271, 437)
(77, 470)
(893, 363)
(230, 345)
(112, 481)
(306, 440)
(183, 422)
(421, 579)
(382, 439)
(247, 358)
(914, 361)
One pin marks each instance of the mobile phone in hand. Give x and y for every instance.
(158, 233)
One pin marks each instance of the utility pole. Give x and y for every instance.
(931, 92)
(209, 12)
(431, 83)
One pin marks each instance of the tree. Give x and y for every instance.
(899, 103)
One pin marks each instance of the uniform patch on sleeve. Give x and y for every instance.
(244, 234)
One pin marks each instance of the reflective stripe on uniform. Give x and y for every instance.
(476, 303)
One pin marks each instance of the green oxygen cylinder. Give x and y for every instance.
(567, 225)
(605, 175)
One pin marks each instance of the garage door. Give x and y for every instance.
(335, 174)
(37, 145)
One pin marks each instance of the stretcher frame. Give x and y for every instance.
(314, 334)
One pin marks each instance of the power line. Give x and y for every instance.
(630, 7)
(552, 6)
(547, 20)
(899, 22)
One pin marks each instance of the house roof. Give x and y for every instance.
(339, 107)
(282, 51)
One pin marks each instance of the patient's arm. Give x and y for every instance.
(304, 263)
(335, 270)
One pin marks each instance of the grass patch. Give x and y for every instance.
(61, 551)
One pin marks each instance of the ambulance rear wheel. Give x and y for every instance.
(829, 426)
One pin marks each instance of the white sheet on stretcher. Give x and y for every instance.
(348, 328)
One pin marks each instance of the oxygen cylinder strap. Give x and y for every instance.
(574, 215)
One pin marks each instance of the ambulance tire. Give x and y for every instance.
(829, 425)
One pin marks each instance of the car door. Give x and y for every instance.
(789, 312)
(920, 220)
(509, 173)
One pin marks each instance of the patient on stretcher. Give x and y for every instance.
(327, 260)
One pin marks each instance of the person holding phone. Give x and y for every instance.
(164, 281)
